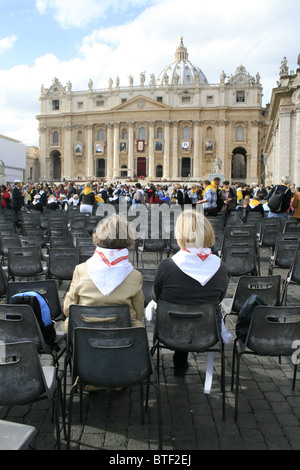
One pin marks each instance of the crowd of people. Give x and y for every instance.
(214, 197)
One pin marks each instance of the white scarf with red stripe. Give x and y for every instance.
(198, 263)
(108, 268)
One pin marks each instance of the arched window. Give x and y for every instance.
(101, 135)
(159, 133)
(124, 134)
(142, 133)
(79, 136)
(209, 132)
(240, 133)
(55, 138)
(186, 132)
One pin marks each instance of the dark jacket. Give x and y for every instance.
(17, 199)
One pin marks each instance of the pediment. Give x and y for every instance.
(141, 103)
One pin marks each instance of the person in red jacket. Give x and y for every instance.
(5, 198)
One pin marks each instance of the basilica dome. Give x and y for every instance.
(181, 71)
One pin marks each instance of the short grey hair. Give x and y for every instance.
(286, 179)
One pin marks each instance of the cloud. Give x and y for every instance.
(7, 43)
(78, 13)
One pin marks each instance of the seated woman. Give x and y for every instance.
(108, 278)
(250, 205)
(193, 275)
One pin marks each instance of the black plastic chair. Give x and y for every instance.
(270, 228)
(23, 380)
(284, 253)
(265, 287)
(16, 436)
(112, 358)
(272, 332)
(188, 328)
(292, 277)
(18, 323)
(241, 260)
(25, 262)
(85, 252)
(62, 262)
(47, 288)
(6, 242)
(61, 242)
(86, 316)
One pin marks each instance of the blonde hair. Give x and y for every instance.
(193, 230)
(113, 232)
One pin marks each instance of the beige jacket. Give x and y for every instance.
(296, 205)
(84, 292)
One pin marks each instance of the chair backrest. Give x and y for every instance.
(245, 232)
(111, 357)
(18, 323)
(186, 327)
(60, 242)
(21, 377)
(47, 288)
(24, 261)
(7, 241)
(285, 248)
(295, 268)
(265, 287)
(291, 226)
(273, 330)
(240, 260)
(86, 316)
(62, 262)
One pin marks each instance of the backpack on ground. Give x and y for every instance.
(276, 200)
(42, 313)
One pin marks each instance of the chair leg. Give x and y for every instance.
(237, 386)
(72, 392)
(294, 377)
(233, 364)
(142, 403)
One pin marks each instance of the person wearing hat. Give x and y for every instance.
(17, 201)
(52, 204)
(37, 204)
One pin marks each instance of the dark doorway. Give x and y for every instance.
(239, 164)
(100, 168)
(141, 166)
(185, 167)
(56, 156)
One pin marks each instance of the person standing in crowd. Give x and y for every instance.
(286, 198)
(296, 204)
(210, 197)
(229, 197)
(193, 275)
(139, 196)
(17, 201)
(5, 198)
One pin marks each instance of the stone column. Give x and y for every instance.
(222, 142)
(297, 149)
(175, 150)
(43, 152)
(252, 176)
(152, 172)
(283, 162)
(130, 150)
(196, 166)
(116, 171)
(68, 152)
(109, 165)
(166, 169)
(90, 171)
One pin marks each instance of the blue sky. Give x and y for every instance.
(81, 39)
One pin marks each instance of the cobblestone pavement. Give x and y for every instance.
(269, 411)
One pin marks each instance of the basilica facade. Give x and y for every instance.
(170, 126)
